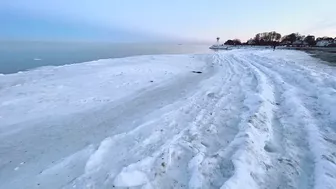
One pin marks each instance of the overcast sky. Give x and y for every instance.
(162, 20)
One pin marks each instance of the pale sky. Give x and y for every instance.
(163, 20)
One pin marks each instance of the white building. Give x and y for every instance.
(300, 43)
(323, 43)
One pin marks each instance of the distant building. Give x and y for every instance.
(324, 43)
(285, 43)
(300, 43)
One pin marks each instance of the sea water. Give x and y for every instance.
(18, 56)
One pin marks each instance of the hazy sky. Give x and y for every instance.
(159, 20)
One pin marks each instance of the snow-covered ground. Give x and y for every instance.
(252, 119)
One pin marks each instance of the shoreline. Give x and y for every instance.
(15, 57)
(328, 55)
(95, 61)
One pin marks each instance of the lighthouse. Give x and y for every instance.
(218, 41)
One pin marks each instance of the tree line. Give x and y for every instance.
(274, 38)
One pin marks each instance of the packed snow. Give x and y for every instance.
(245, 118)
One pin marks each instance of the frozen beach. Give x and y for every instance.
(243, 118)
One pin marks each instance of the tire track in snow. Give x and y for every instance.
(161, 149)
(251, 161)
(317, 90)
(241, 135)
(213, 169)
(311, 85)
(194, 144)
(293, 162)
(219, 166)
(323, 154)
(187, 151)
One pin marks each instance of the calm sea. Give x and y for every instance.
(20, 56)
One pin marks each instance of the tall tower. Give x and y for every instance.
(218, 41)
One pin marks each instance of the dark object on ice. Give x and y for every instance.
(198, 72)
(269, 148)
(274, 45)
(151, 81)
(211, 95)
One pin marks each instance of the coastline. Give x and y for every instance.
(326, 54)
(33, 55)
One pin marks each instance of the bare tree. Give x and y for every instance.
(310, 39)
